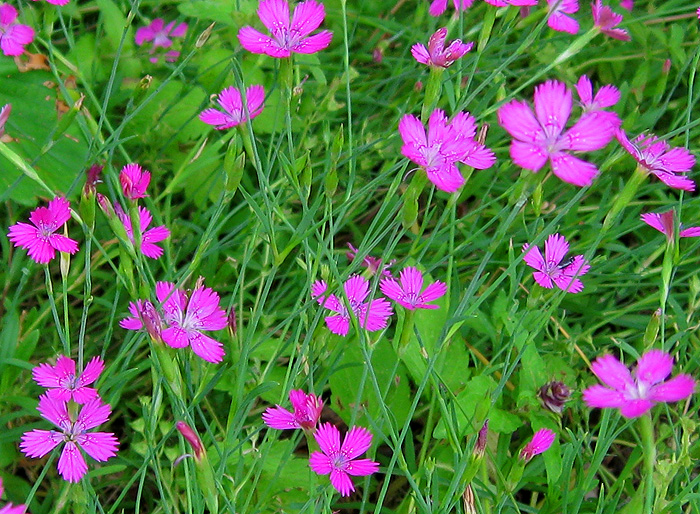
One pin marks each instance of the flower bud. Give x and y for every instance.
(192, 438)
(554, 395)
(480, 447)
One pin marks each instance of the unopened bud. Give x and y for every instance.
(231, 321)
(666, 66)
(204, 36)
(4, 115)
(151, 320)
(480, 447)
(192, 438)
(377, 55)
(93, 178)
(554, 395)
(468, 500)
(105, 206)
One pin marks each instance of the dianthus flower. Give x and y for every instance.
(234, 113)
(663, 222)
(505, 3)
(185, 319)
(373, 264)
(551, 270)
(307, 412)
(62, 382)
(340, 461)
(444, 144)
(636, 393)
(658, 158)
(55, 2)
(437, 55)
(73, 431)
(13, 36)
(437, 7)
(606, 20)
(607, 96)
(372, 315)
(134, 181)
(285, 37)
(408, 291)
(40, 238)
(538, 137)
(539, 443)
(160, 34)
(9, 508)
(149, 237)
(559, 21)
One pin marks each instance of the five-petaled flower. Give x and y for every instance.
(307, 411)
(371, 316)
(606, 96)
(540, 137)
(40, 238)
(437, 55)
(657, 157)
(234, 112)
(149, 237)
(340, 461)
(606, 20)
(73, 431)
(539, 443)
(444, 144)
(64, 384)
(558, 19)
(636, 393)
(160, 34)
(407, 291)
(285, 37)
(13, 36)
(550, 268)
(664, 223)
(134, 181)
(185, 318)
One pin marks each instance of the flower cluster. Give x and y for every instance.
(443, 145)
(373, 315)
(74, 409)
(339, 460)
(184, 318)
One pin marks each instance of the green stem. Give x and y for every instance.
(406, 331)
(54, 311)
(646, 430)
(432, 92)
(624, 198)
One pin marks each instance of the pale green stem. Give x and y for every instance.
(646, 430)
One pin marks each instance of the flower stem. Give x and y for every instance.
(432, 92)
(646, 429)
(624, 198)
(406, 331)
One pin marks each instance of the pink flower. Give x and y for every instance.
(64, 384)
(307, 412)
(373, 264)
(607, 96)
(287, 38)
(372, 315)
(340, 461)
(660, 159)
(551, 270)
(558, 20)
(504, 3)
(13, 36)
(408, 293)
(663, 222)
(437, 7)
(539, 443)
(160, 34)
(149, 237)
(636, 393)
(628, 4)
(444, 144)
(185, 318)
(231, 102)
(40, 239)
(606, 20)
(436, 55)
(73, 431)
(144, 315)
(9, 508)
(134, 181)
(539, 137)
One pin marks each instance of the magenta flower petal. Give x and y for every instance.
(37, 443)
(552, 105)
(279, 418)
(606, 21)
(654, 366)
(603, 398)
(678, 388)
(71, 464)
(437, 55)
(328, 438)
(550, 269)
(409, 293)
(175, 337)
(234, 113)
(207, 348)
(558, 20)
(101, 446)
(320, 463)
(633, 408)
(612, 372)
(134, 181)
(573, 170)
(341, 481)
(357, 441)
(540, 443)
(13, 36)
